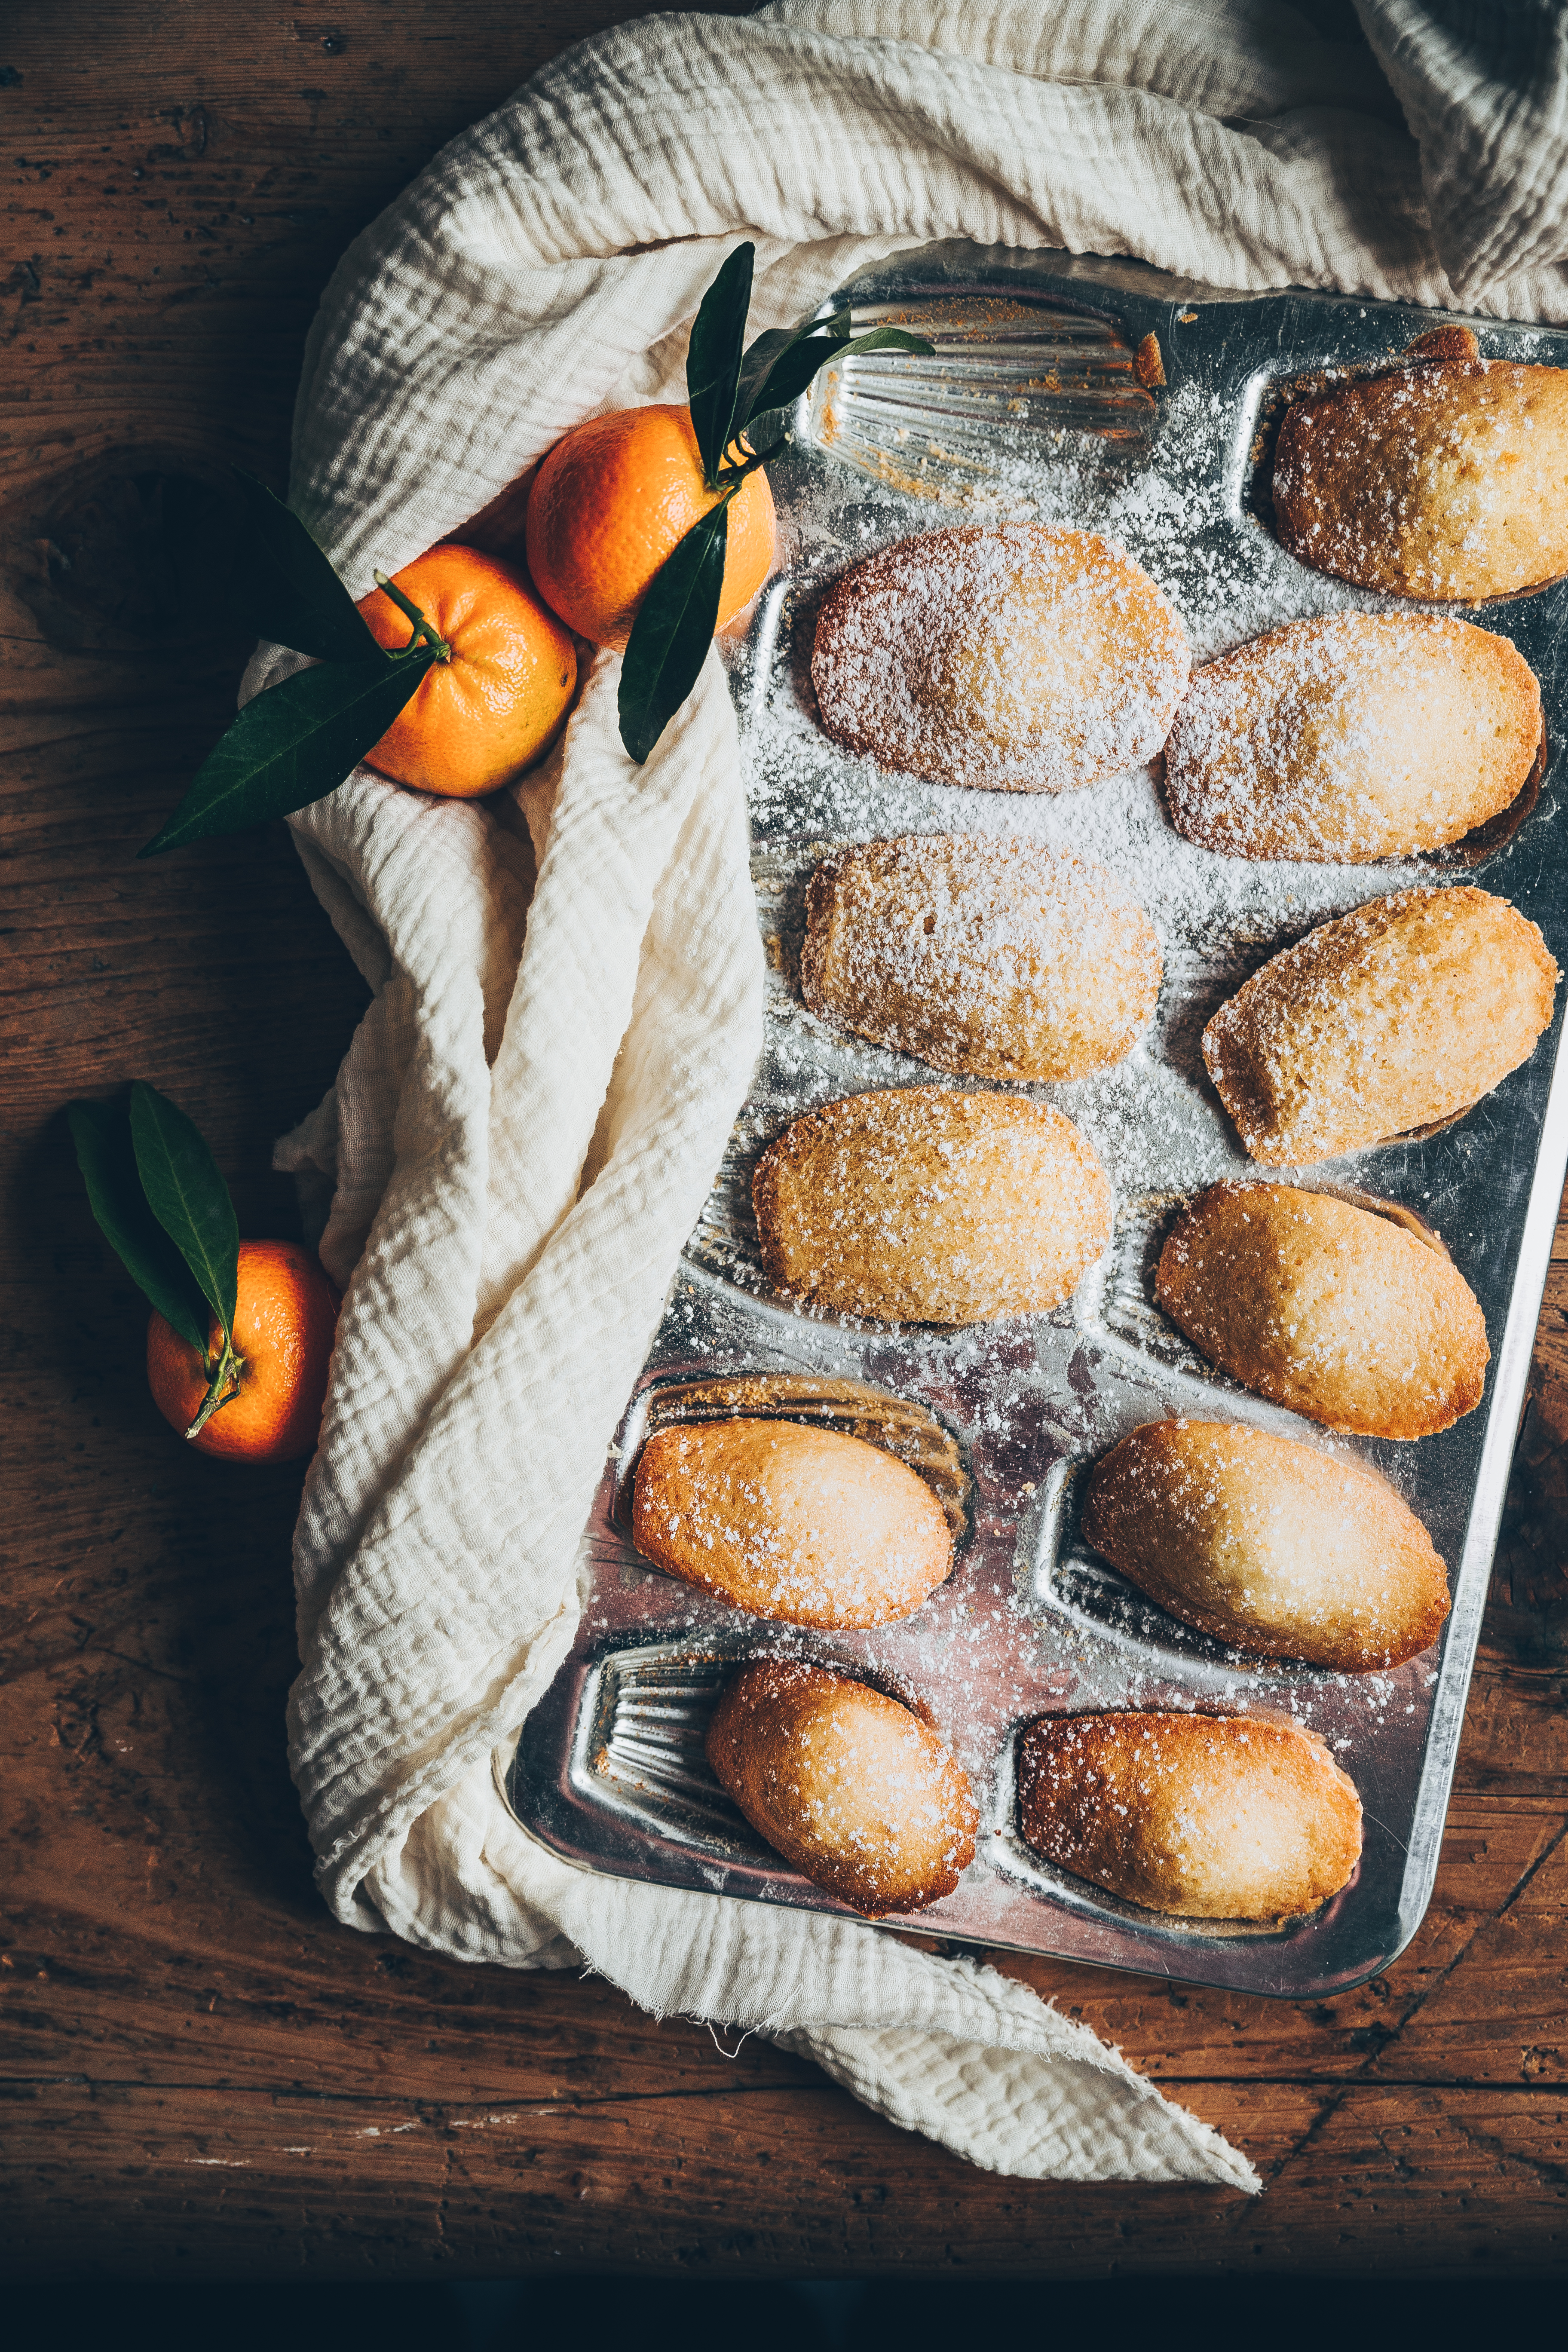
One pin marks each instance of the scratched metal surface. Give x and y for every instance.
(609, 1769)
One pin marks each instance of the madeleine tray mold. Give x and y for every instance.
(1034, 407)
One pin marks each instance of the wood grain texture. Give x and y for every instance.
(205, 2075)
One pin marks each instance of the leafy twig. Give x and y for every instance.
(161, 1205)
(733, 394)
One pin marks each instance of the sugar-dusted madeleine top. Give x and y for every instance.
(995, 959)
(1269, 1544)
(1353, 736)
(1447, 481)
(1397, 1015)
(1333, 1311)
(805, 1526)
(1208, 1816)
(848, 1785)
(1021, 658)
(922, 1205)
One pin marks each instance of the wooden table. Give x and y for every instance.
(205, 2076)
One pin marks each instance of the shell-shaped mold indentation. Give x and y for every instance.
(1007, 381)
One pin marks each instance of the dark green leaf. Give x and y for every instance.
(672, 632)
(285, 588)
(754, 395)
(106, 1158)
(792, 368)
(293, 744)
(187, 1196)
(713, 359)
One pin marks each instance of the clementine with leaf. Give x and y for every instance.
(495, 697)
(269, 1406)
(610, 504)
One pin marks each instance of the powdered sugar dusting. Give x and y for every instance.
(1015, 659)
(989, 959)
(1353, 737)
(1441, 481)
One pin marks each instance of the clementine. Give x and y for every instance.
(493, 703)
(284, 1322)
(613, 500)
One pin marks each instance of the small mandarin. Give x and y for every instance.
(284, 1324)
(477, 720)
(613, 500)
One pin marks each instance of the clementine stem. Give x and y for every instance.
(223, 1386)
(410, 611)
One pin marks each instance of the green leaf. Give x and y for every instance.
(106, 1158)
(788, 371)
(672, 632)
(754, 396)
(287, 590)
(713, 359)
(188, 1197)
(293, 744)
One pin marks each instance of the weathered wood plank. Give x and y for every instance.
(763, 2180)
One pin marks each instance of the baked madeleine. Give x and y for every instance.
(847, 1784)
(806, 1526)
(1269, 1545)
(1398, 1015)
(1208, 1816)
(1447, 481)
(1021, 660)
(1333, 1311)
(1354, 736)
(924, 1205)
(993, 958)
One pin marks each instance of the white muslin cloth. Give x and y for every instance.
(530, 1116)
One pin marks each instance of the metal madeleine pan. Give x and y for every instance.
(1036, 405)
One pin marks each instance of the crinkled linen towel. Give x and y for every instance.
(529, 1117)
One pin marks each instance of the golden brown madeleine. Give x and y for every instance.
(848, 1786)
(924, 1205)
(1020, 659)
(1333, 1310)
(995, 959)
(806, 1526)
(1269, 1544)
(1443, 481)
(1353, 737)
(1397, 1015)
(1209, 1816)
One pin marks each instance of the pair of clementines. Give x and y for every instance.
(606, 507)
(609, 503)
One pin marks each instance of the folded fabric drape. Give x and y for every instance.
(527, 1122)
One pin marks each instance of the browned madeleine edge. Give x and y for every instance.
(731, 1727)
(1168, 1286)
(1471, 848)
(1232, 1066)
(653, 1486)
(1292, 526)
(1108, 1520)
(1123, 1015)
(1057, 1819)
